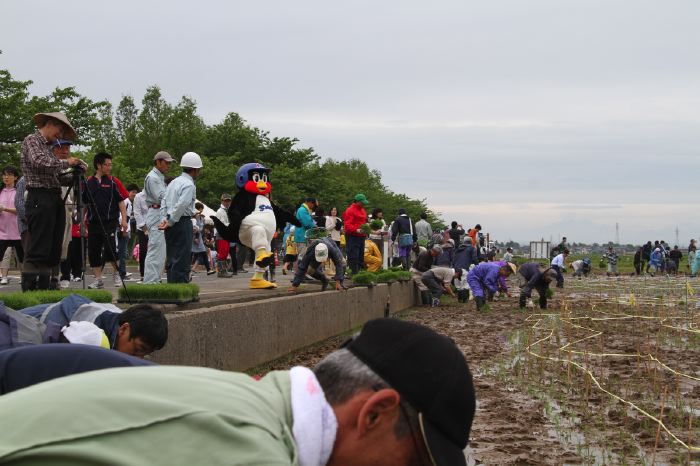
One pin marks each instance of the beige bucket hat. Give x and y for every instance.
(40, 120)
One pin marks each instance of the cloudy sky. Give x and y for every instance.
(535, 118)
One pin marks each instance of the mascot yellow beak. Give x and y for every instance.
(262, 186)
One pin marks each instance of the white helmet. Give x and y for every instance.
(191, 160)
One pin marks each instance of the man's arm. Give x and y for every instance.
(39, 156)
(122, 211)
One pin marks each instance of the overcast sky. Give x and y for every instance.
(534, 118)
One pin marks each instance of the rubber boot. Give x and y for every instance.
(480, 302)
(462, 296)
(223, 273)
(29, 281)
(43, 281)
(264, 258)
(259, 283)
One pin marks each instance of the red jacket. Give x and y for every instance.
(353, 218)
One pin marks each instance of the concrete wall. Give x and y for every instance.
(244, 335)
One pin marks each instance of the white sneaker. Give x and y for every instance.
(128, 275)
(64, 284)
(97, 285)
(4, 281)
(118, 281)
(77, 279)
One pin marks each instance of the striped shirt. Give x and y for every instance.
(39, 165)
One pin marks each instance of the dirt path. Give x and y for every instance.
(510, 426)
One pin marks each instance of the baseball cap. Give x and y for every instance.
(361, 198)
(321, 252)
(430, 372)
(162, 155)
(85, 333)
(225, 197)
(62, 142)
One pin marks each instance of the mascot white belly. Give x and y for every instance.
(258, 227)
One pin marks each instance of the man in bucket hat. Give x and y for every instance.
(398, 394)
(44, 208)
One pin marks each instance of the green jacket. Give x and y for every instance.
(150, 415)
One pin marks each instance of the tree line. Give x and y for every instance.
(133, 132)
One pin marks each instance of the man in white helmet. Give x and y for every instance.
(179, 207)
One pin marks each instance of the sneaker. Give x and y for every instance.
(64, 284)
(4, 281)
(435, 302)
(77, 279)
(127, 275)
(96, 285)
(118, 282)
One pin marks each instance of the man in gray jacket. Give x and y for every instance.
(315, 255)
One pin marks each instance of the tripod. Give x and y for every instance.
(79, 188)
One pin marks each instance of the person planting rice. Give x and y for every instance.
(397, 394)
(439, 281)
(487, 278)
(532, 276)
(581, 267)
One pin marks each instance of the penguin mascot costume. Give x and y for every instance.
(253, 219)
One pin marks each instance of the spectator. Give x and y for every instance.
(439, 280)
(179, 207)
(423, 230)
(559, 265)
(140, 216)
(474, 235)
(138, 331)
(448, 253)
(354, 217)
(334, 225)
(465, 256)
(44, 209)
(9, 229)
(318, 252)
(21, 213)
(154, 189)
(304, 215)
(104, 197)
(319, 217)
(124, 237)
(355, 404)
(377, 234)
(403, 233)
(223, 247)
(199, 249)
(611, 257)
(456, 233)
(372, 256)
(290, 250)
(531, 276)
(487, 279)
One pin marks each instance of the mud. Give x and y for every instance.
(535, 411)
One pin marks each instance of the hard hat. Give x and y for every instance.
(191, 160)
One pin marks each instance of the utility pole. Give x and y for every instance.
(677, 231)
(617, 233)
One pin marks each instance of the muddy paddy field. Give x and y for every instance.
(608, 374)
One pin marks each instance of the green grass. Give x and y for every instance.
(381, 276)
(21, 300)
(160, 292)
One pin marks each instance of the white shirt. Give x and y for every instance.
(559, 261)
(140, 210)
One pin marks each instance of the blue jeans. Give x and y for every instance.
(355, 249)
(178, 246)
(122, 252)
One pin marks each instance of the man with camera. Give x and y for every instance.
(104, 196)
(44, 209)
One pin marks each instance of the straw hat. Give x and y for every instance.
(41, 118)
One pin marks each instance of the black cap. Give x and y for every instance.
(430, 372)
